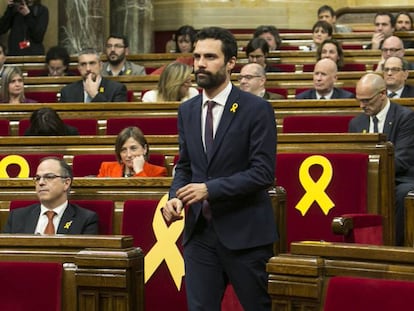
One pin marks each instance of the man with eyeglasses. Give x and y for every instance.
(392, 46)
(117, 50)
(53, 214)
(252, 79)
(397, 122)
(395, 72)
(93, 87)
(324, 78)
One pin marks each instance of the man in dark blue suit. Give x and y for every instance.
(93, 87)
(53, 180)
(230, 228)
(324, 78)
(395, 71)
(397, 122)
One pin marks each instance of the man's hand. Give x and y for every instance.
(91, 84)
(172, 210)
(377, 38)
(192, 193)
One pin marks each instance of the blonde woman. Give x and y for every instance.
(12, 86)
(174, 85)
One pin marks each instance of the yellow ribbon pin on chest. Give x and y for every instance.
(234, 107)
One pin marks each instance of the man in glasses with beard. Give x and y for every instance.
(227, 141)
(116, 50)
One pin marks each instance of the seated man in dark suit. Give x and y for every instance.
(392, 46)
(395, 71)
(253, 79)
(324, 78)
(397, 122)
(53, 215)
(93, 87)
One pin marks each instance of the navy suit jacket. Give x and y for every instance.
(399, 128)
(337, 93)
(239, 172)
(112, 91)
(408, 91)
(81, 220)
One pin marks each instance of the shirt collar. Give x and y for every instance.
(58, 210)
(383, 113)
(221, 97)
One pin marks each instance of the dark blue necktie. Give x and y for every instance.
(208, 129)
(375, 121)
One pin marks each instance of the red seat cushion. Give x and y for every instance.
(84, 126)
(149, 126)
(316, 124)
(42, 96)
(24, 286)
(4, 128)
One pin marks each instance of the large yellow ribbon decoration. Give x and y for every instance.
(14, 159)
(315, 191)
(165, 247)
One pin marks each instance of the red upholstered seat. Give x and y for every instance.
(104, 208)
(89, 164)
(345, 67)
(316, 124)
(149, 126)
(320, 187)
(346, 293)
(308, 67)
(13, 168)
(4, 127)
(42, 96)
(24, 286)
(278, 90)
(137, 220)
(84, 126)
(352, 47)
(284, 67)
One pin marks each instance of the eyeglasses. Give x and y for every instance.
(390, 50)
(368, 100)
(247, 77)
(47, 177)
(392, 69)
(56, 69)
(116, 46)
(256, 56)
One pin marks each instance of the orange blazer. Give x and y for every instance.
(115, 169)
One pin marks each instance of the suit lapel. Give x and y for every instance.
(66, 220)
(389, 120)
(31, 223)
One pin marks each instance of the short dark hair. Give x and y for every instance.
(324, 25)
(124, 135)
(65, 169)
(392, 17)
(270, 29)
(124, 39)
(228, 41)
(45, 122)
(340, 62)
(326, 8)
(185, 30)
(257, 43)
(58, 52)
(404, 63)
(406, 14)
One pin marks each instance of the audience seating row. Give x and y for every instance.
(335, 276)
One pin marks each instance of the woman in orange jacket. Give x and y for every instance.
(131, 149)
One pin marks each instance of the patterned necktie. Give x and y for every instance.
(375, 121)
(50, 228)
(208, 129)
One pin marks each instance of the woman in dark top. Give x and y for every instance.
(46, 122)
(27, 21)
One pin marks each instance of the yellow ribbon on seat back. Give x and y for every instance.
(14, 159)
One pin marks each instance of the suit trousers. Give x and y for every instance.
(210, 266)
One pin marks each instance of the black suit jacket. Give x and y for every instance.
(272, 96)
(77, 220)
(408, 91)
(337, 93)
(239, 172)
(399, 128)
(109, 91)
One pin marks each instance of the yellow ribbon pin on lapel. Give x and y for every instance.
(234, 107)
(67, 225)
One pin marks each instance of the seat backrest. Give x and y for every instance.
(104, 208)
(320, 187)
(278, 90)
(85, 126)
(346, 293)
(4, 127)
(316, 124)
(15, 166)
(353, 67)
(20, 286)
(149, 126)
(89, 164)
(42, 96)
(143, 220)
(285, 67)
